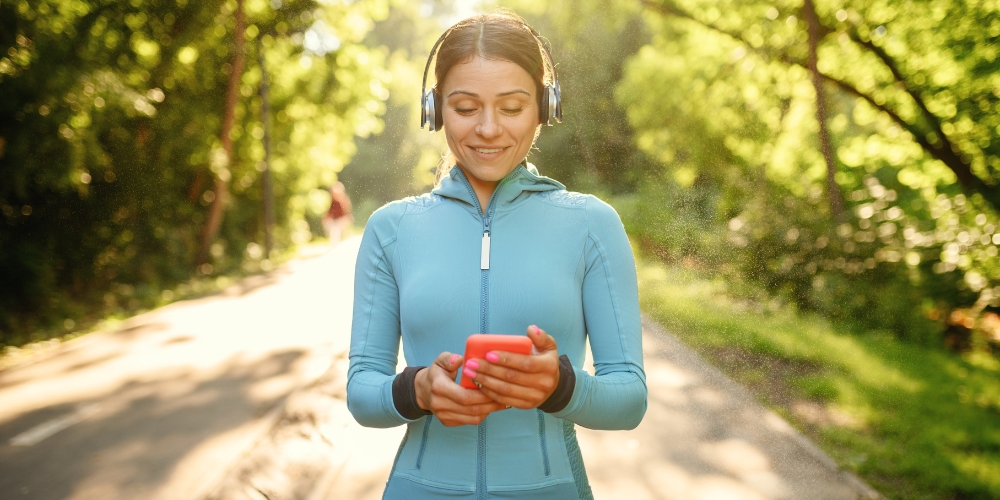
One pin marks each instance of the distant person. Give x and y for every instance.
(338, 216)
(497, 248)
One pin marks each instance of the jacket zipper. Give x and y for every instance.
(484, 267)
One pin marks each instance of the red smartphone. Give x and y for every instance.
(481, 343)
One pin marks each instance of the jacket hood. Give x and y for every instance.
(523, 179)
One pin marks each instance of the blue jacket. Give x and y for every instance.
(557, 259)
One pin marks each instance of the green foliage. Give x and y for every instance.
(592, 149)
(913, 421)
(109, 141)
(400, 160)
(742, 181)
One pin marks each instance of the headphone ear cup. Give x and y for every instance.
(556, 102)
(438, 115)
(550, 110)
(427, 110)
(430, 112)
(543, 107)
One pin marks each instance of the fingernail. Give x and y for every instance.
(535, 329)
(492, 357)
(473, 364)
(454, 357)
(469, 373)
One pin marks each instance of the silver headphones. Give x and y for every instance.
(549, 111)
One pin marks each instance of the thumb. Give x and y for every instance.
(542, 341)
(450, 362)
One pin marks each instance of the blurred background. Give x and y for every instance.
(816, 166)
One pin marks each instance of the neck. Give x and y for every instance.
(483, 189)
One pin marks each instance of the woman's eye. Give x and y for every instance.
(465, 111)
(512, 112)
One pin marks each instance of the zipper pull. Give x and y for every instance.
(484, 257)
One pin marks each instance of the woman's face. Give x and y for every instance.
(490, 115)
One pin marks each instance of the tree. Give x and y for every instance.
(221, 191)
(740, 110)
(946, 106)
(110, 141)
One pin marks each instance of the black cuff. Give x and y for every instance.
(404, 394)
(564, 391)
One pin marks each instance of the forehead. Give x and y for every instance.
(487, 77)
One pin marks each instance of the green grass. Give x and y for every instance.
(915, 422)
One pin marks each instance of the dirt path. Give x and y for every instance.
(703, 437)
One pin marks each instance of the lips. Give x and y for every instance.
(487, 151)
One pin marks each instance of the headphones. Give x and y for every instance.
(549, 112)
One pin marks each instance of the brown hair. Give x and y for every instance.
(501, 36)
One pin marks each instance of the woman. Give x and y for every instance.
(338, 217)
(494, 248)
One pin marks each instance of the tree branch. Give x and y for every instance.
(942, 151)
(897, 75)
(815, 30)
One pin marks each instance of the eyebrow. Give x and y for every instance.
(501, 94)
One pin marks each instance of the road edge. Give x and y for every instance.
(862, 488)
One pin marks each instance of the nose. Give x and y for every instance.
(488, 126)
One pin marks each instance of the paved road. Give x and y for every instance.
(190, 402)
(160, 407)
(703, 438)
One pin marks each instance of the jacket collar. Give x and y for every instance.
(525, 178)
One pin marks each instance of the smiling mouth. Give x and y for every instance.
(487, 151)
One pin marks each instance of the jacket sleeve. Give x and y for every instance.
(375, 329)
(615, 397)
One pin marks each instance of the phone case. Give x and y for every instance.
(479, 344)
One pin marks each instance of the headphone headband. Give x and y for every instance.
(424, 115)
(550, 111)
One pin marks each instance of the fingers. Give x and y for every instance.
(451, 403)
(507, 393)
(500, 390)
(450, 362)
(509, 401)
(468, 412)
(519, 380)
(454, 393)
(455, 405)
(513, 387)
(542, 341)
(442, 382)
(515, 369)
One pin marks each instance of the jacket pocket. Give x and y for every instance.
(541, 439)
(423, 440)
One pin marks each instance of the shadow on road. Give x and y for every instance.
(137, 436)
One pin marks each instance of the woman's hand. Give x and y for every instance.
(451, 403)
(518, 380)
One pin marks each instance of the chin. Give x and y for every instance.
(489, 173)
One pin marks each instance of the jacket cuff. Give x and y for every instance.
(404, 394)
(564, 391)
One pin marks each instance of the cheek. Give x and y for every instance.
(453, 122)
(526, 129)
(455, 129)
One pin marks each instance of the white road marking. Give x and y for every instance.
(44, 430)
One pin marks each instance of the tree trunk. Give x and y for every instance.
(221, 189)
(265, 118)
(832, 189)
